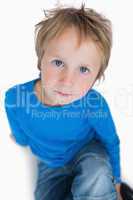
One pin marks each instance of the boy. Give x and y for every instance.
(67, 124)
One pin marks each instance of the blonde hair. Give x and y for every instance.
(88, 22)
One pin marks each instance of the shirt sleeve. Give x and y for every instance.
(16, 129)
(103, 123)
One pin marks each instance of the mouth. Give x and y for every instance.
(63, 94)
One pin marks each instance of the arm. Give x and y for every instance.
(106, 132)
(18, 134)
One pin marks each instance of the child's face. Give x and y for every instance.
(68, 71)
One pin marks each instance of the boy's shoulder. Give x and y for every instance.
(95, 94)
(14, 91)
(96, 99)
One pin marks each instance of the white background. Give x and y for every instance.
(18, 62)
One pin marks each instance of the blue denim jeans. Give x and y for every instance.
(88, 176)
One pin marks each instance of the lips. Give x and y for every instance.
(63, 94)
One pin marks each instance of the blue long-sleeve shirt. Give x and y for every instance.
(55, 133)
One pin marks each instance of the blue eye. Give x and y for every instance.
(84, 70)
(57, 62)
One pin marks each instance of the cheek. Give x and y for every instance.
(84, 85)
(49, 76)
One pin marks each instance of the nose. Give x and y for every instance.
(67, 78)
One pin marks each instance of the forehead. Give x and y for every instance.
(71, 39)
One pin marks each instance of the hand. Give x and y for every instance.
(117, 186)
(12, 137)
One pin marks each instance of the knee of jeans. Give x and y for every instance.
(102, 168)
(96, 166)
(95, 179)
(103, 179)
